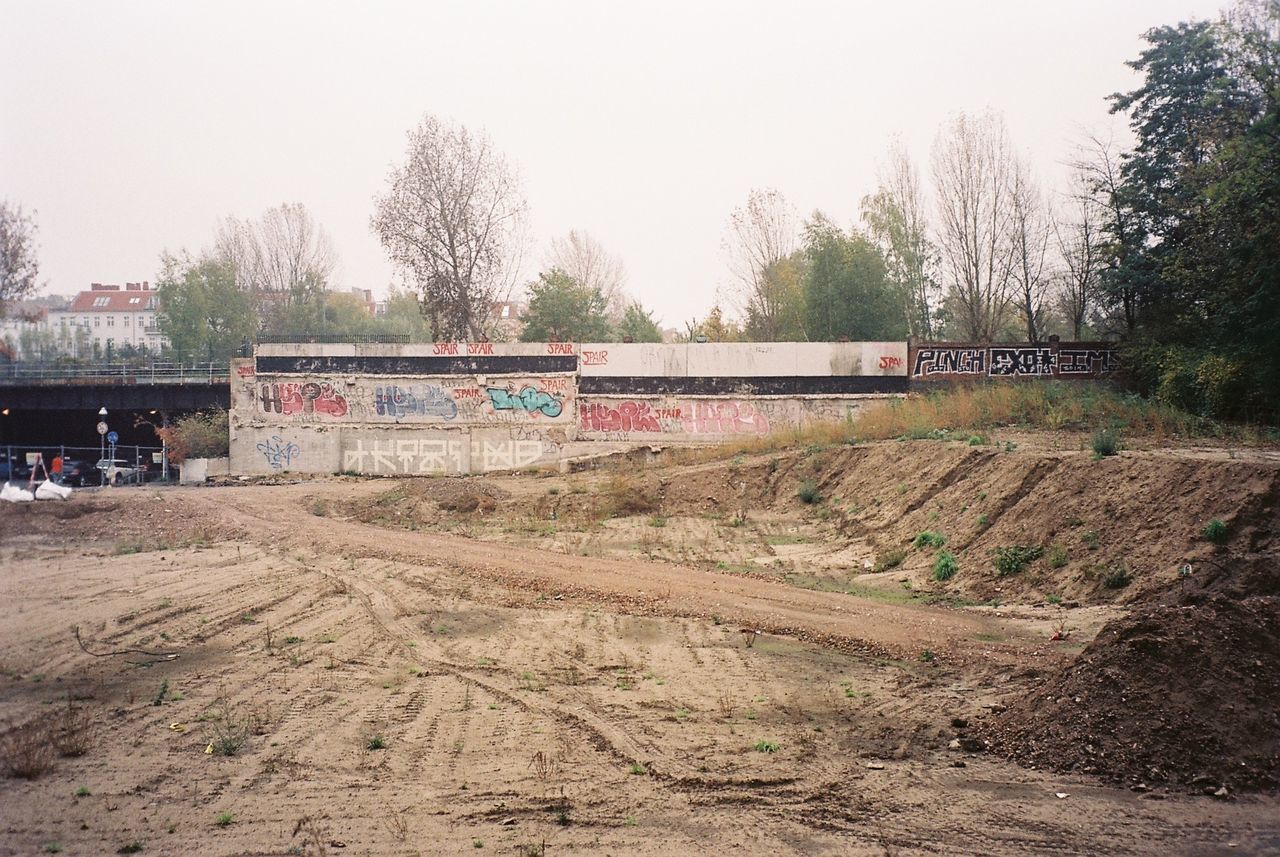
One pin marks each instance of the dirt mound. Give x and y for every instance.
(468, 496)
(1182, 694)
(153, 520)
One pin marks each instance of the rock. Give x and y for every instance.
(875, 766)
(971, 745)
(954, 745)
(1222, 793)
(959, 723)
(959, 763)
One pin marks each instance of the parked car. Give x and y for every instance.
(13, 468)
(79, 473)
(118, 471)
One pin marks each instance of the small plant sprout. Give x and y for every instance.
(1216, 532)
(224, 819)
(376, 742)
(637, 769)
(766, 746)
(945, 566)
(83, 791)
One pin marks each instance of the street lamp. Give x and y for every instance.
(102, 444)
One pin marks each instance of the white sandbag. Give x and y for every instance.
(14, 494)
(52, 491)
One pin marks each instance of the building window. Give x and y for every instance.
(97, 321)
(126, 321)
(135, 300)
(101, 300)
(111, 321)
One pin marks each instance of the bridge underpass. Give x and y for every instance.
(64, 411)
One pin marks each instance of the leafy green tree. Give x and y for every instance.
(637, 324)
(404, 317)
(776, 312)
(201, 311)
(1198, 268)
(328, 314)
(561, 308)
(847, 290)
(18, 263)
(896, 221)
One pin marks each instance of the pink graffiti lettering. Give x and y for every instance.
(306, 398)
(628, 416)
(595, 358)
(725, 418)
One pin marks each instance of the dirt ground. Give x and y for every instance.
(654, 658)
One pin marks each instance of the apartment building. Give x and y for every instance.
(111, 317)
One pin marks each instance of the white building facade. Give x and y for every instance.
(107, 318)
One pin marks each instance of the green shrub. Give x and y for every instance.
(1106, 442)
(1115, 577)
(945, 566)
(1013, 559)
(1057, 556)
(1216, 531)
(929, 538)
(766, 747)
(890, 559)
(204, 434)
(808, 493)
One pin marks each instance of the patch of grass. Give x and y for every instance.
(161, 693)
(229, 731)
(808, 493)
(945, 566)
(929, 538)
(375, 742)
(1105, 442)
(765, 746)
(1057, 556)
(553, 491)
(928, 657)
(1014, 558)
(624, 496)
(1215, 531)
(890, 559)
(1116, 577)
(637, 769)
(984, 521)
(1090, 539)
(224, 819)
(83, 791)
(658, 521)
(1053, 598)
(978, 440)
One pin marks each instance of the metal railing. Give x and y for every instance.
(336, 339)
(159, 372)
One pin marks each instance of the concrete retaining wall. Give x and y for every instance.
(456, 407)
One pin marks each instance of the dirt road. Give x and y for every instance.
(345, 687)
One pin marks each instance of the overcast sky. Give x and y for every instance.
(133, 127)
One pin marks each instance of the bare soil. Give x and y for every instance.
(653, 659)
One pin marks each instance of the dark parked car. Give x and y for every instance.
(78, 473)
(13, 469)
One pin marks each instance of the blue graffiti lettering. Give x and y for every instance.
(528, 399)
(277, 452)
(429, 401)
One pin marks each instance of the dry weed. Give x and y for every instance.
(74, 732)
(27, 750)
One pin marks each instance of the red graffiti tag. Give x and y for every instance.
(445, 348)
(306, 398)
(479, 347)
(560, 348)
(628, 416)
(888, 361)
(725, 418)
(595, 358)
(466, 392)
(244, 371)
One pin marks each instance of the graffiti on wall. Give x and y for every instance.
(949, 361)
(1014, 361)
(423, 400)
(710, 417)
(1086, 361)
(278, 452)
(1022, 362)
(308, 397)
(418, 456)
(529, 400)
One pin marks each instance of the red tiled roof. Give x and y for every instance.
(113, 301)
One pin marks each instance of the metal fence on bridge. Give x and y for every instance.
(26, 372)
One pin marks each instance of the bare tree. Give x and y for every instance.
(896, 220)
(285, 258)
(1029, 231)
(1100, 165)
(452, 221)
(589, 264)
(1078, 235)
(761, 235)
(19, 266)
(973, 177)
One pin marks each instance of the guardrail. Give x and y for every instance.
(154, 373)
